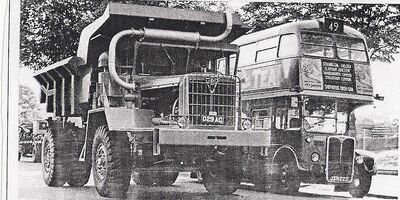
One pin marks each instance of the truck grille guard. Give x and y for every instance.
(211, 95)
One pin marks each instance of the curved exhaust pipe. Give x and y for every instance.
(165, 35)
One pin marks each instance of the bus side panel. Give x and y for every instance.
(274, 75)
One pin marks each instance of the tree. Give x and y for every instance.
(379, 23)
(29, 108)
(50, 29)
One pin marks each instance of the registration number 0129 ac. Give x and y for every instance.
(209, 119)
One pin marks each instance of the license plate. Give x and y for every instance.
(339, 179)
(209, 119)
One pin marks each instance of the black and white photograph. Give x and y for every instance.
(198, 100)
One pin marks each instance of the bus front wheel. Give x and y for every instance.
(361, 183)
(287, 180)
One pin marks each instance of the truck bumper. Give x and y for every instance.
(202, 137)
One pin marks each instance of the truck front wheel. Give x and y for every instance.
(111, 163)
(361, 183)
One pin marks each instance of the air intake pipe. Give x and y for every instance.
(161, 34)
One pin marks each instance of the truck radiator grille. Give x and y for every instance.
(340, 159)
(212, 96)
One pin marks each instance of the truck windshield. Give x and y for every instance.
(167, 59)
(325, 115)
(347, 48)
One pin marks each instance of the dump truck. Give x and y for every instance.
(151, 92)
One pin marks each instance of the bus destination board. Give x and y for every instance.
(338, 76)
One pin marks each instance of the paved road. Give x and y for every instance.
(32, 187)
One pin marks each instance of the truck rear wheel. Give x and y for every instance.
(79, 171)
(361, 183)
(287, 179)
(55, 160)
(155, 178)
(111, 163)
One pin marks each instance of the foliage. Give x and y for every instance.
(50, 29)
(29, 109)
(379, 23)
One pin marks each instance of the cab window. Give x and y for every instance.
(262, 118)
(222, 64)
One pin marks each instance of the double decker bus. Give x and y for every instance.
(301, 83)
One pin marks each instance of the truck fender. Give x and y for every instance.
(94, 119)
(287, 150)
(116, 119)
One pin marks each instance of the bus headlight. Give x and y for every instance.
(359, 159)
(246, 124)
(314, 157)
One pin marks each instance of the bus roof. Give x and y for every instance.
(292, 27)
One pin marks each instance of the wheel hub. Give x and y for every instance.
(356, 182)
(284, 177)
(101, 161)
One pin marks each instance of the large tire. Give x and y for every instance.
(54, 159)
(287, 180)
(111, 163)
(79, 171)
(151, 178)
(222, 177)
(361, 183)
(36, 153)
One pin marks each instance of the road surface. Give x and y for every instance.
(32, 187)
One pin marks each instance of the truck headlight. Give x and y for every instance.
(359, 159)
(246, 124)
(182, 122)
(314, 157)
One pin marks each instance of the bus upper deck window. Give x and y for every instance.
(247, 54)
(288, 45)
(317, 45)
(267, 49)
(351, 49)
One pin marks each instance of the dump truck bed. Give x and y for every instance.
(118, 17)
